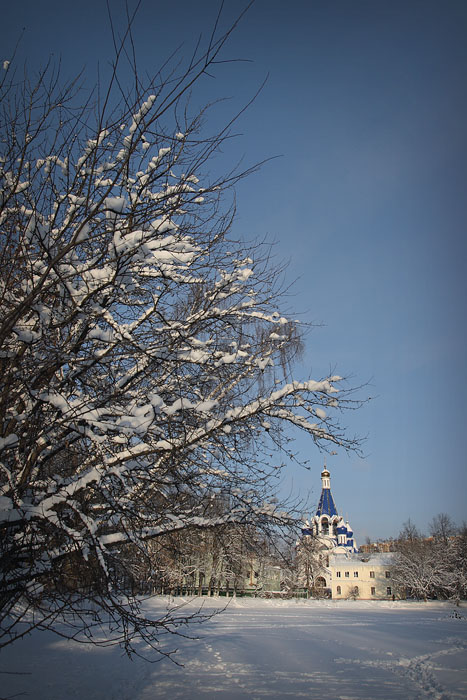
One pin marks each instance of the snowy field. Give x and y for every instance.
(259, 649)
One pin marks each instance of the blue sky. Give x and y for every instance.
(366, 105)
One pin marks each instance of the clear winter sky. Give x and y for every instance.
(366, 103)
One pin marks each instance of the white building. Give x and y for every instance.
(363, 576)
(339, 569)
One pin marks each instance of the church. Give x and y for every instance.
(336, 567)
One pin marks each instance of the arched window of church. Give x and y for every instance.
(325, 526)
(338, 590)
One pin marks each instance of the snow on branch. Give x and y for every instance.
(145, 357)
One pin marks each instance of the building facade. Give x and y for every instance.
(363, 576)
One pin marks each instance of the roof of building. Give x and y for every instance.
(326, 504)
(377, 559)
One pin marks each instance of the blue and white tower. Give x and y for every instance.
(327, 525)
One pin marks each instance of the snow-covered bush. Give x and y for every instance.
(144, 355)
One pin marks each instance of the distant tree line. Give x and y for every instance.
(225, 560)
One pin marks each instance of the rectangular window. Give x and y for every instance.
(346, 574)
(388, 574)
(372, 574)
(355, 574)
(373, 590)
(338, 590)
(388, 590)
(338, 574)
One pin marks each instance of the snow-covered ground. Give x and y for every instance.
(259, 649)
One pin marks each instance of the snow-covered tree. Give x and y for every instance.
(432, 567)
(418, 570)
(309, 562)
(459, 545)
(144, 353)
